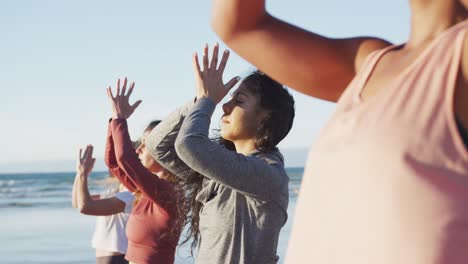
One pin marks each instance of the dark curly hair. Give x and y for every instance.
(182, 202)
(278, 103)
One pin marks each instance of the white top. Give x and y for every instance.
(109, 233)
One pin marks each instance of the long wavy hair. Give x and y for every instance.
(182, 202)
(279, 104)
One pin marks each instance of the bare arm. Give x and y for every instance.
(87, 205)
(307, 62)
(84, 201)
(74, 202)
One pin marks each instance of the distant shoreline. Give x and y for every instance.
(294, 158)
(97, 172)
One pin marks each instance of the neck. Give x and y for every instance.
(245, 146)
(431, 17)
(159, 173)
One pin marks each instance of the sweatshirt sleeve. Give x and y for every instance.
(111, 162)
(255, 175)
(148, 183)
(161, 142)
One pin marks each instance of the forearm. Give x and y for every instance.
(109, 155)
(84, 199)
(253, 175)
(111, 162)
(232, 16)
(162, 138)
(74, 198)
(128, 161)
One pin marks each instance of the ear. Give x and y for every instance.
(262, 114)
(157, 167)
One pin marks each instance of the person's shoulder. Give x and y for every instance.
(271, 157)
(367, 46)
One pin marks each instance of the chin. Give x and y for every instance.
(225, 134)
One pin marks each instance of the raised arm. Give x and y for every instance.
(74, 198)
(111, 162)
(84, 201)
(161, 142)
(256, 176)
(145, 181)
(307, 62)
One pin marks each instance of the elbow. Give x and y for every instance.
(87, 209)
(222, 28)
(83, 208)
(182, 147)
(226, 27)
(229, 27)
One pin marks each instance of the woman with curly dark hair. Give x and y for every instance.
(239, 184)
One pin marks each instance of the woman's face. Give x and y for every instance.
(145, 157)
(242, 115)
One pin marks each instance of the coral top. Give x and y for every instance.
(154, 226)
(387, 180)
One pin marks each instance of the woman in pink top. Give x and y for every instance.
(157, 218)
(387, 180)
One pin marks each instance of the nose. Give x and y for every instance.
(227, 107)
(139, 149)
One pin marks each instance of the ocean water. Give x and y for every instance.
(39, 226)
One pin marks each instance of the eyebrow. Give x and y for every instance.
(240, 93)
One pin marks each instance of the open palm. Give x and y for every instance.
(121, 107)
(209, 80)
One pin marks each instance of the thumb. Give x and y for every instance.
(136, 104)
(232, 83)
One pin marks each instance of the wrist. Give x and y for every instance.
(115, 117)
(81, 174)
(206, 97)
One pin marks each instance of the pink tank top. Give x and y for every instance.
(387, 180)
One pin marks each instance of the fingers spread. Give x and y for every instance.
(118, 87)
(205, 58)
(232, 83)
(135, 105)
(131, 89)
(91, 148)
(224, 60)
(214, 59)
(124, 87)
(196, 64)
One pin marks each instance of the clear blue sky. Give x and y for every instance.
(57, 57)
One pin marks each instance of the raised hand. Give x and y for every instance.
(85, 162)
(209, 80)
(121, 107)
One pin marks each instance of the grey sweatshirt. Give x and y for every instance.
(245, 197)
